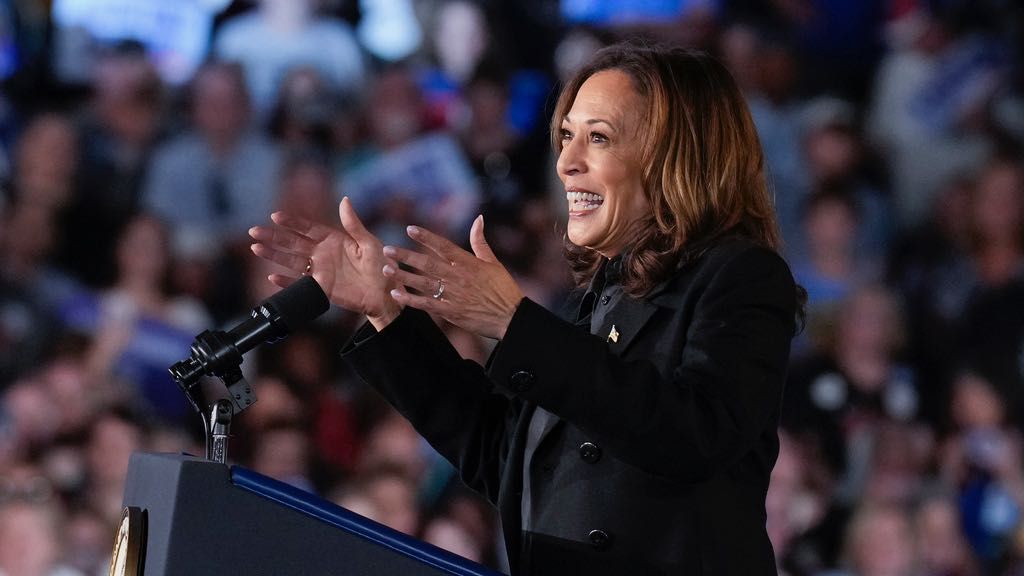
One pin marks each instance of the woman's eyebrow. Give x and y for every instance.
(591, 122)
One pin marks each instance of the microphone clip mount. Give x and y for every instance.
(216, 415)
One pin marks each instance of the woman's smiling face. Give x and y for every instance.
(600, 163)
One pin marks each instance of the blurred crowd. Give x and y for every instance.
(893, 132)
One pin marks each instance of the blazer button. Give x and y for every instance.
(606, 299)
(521, 380)
(590, 452)
(600, 539)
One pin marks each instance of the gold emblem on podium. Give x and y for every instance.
(126, 559)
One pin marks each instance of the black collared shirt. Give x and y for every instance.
(603, 295)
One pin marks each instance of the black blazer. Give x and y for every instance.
(660, 459)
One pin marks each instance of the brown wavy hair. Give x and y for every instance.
(703, 168)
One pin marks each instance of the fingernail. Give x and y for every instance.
(396, 294)
(412, 230)
(390, 251)
(388, 270)
(252, 231)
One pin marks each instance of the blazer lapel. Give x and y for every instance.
(622, 325)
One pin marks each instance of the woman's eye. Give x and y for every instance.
(598, 137)
(566, 135)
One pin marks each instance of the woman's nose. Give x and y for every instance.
(571, 159)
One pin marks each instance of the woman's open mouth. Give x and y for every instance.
(581, 202)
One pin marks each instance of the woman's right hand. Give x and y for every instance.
(346, 262)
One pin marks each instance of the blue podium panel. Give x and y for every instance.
(203, 518)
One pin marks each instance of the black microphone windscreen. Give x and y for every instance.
(299, 303)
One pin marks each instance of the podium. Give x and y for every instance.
(201, 517)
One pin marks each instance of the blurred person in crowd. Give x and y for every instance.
(284, 34)
(406, 170)
(460, 40)
(982, 460)
(928, 107)
(87, 542)
(506, 164)
(776, 109)
(46, 162)
(43, 199)
(392, 441)
(836, 158)
(308, 114)
(31, 527)
(546, 278)
(683, 301)
(991, 335)
(383, 493)
(902, 454)
(75, 396)
(114, 436)
(941, 546)
(30, 289)
(879, 542)
(797, 508)
(309, 372)
(138, 327)
(831, 268)
(220, 175)
(929, 266)
(996, 214)
(122, 125)
(29, 425)
(282, 450)
(837, 399)
(307, 185)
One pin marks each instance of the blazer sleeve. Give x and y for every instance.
(688, 425)
(449, 400)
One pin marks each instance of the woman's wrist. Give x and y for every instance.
(381, 321)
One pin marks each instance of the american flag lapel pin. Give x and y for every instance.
(613, 336)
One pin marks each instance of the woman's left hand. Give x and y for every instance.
(472, 291)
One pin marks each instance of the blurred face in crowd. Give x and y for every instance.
(127, 90)
(395, 114)
(283, 454)
(832, 152)
(220, 106)
(869, 322)
(976, 403)
(940, 543)
(460, 38)
(28, 234)
(600, 163)
(142, 250)
(880, 543)
(998, 206)
(307, 190)
(110, 447)
(46, 157)
(831, 226)
(28, 538)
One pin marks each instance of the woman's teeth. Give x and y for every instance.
(583, 200)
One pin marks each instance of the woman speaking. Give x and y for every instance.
(638, 435)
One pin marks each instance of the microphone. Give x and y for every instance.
(218, 353)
